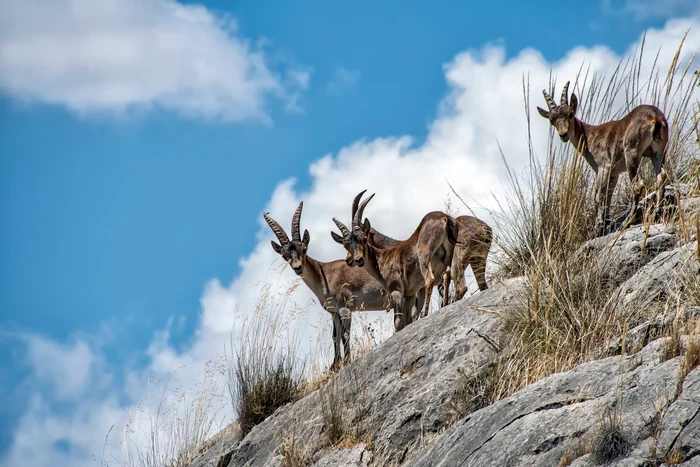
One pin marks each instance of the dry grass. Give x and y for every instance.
(294, 454)
(267, 371)
(474, 392)
(334, 424)
(568, 314)
(576, 448)
(174, 425)
(611, 442)
(344, 423)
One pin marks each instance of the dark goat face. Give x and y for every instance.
(293, 251)
(354, 243)
(561, 116)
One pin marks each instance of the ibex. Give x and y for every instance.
(339, 288)
(475, 238)
(612, 148)
(407, 267)
(381, 241)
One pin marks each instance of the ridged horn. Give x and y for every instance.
(565, 94)
(355, 203)
(278, 231)
(360, 211)
(296, 219)
(550, 102)
(343, 229)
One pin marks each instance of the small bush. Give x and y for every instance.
(263, 387)
(266, 374)
(612, 442)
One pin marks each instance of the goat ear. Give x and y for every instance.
(306, 238)
(543, 112)
(336, 237)
(276, 247)
(573, 102)
(366, 226)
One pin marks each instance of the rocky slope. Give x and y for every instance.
(400, 399)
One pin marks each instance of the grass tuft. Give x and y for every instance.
(473, 392)
(268, 372)
(293, 454)
(612, 442)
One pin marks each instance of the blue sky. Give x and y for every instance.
(116, 216)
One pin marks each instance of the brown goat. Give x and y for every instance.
(475, 238)
(407, 267)
(339, 288)
(383, 242)
(613, 148)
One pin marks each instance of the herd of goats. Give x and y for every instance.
(381, 273)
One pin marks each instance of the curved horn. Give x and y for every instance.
(565, 94)
(360, 211)
(278, 231)
(550, 102)
(343, 230)
(356, 202)
(296, 218)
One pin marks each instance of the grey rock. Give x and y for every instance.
(219, 449)
(656, 276)
(681, 422)
(356, 456)
(401, 396)
(401, 391)
(621, 255)
(537, 425)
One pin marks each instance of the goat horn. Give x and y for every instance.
(296, 218)
(356, 202)
(278, 231)
(360, 212)
(565, 94)
(550, 102)
(343, 230)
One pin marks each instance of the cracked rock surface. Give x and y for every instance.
(402, 393)
(538, 425)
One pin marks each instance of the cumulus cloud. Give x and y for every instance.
(482, 109)
(51, 362)
(121, 56)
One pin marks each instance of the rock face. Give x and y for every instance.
(622, 255)
(400, 399)
(551, 418)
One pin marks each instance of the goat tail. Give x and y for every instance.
(656, 127)
(452, 231)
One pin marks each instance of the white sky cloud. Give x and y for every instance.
(484, 105)
(51, 362)
(122, 56)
